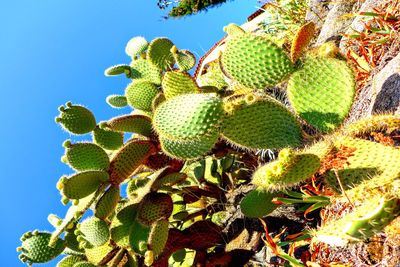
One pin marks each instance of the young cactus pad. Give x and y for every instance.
(85, 156)
(35, 248)
(158, 236)
(128, 158)
(300, 42)
(143, 69)
(76, 119)
(183, 58)
(117, 101)
(136, 46)
(93, 232)
(139, 124)
(107, 139)
(258, 203)
(117, 70)
(81, 184)
(260, 123)
(188, 117)
(255, 61)
(322, 92)
(177, 83)
(140, 94)
(290, 169)
(159, 53)
(107, 203)
(121, 223)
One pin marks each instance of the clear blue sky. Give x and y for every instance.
(53, 51)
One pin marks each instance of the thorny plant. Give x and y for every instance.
(187, 152)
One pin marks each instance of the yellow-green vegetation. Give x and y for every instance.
(195, 156)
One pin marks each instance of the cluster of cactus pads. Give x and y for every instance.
(155, 181)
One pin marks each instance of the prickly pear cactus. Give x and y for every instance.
(255, 61)
(322, 92)
(260, 123)
(180, 179)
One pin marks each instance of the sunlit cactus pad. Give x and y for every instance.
(140, 94)
(177, 83)
(188, 117)
(85, 156)
(260, 123)
(290, 169)
(35, 248)
(76, 119)
(255, 61)
(135, 46)
(143, 69)
(322, 92)
(367, 160)
(159, 53)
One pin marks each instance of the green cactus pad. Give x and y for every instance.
(117, 70)
(107, 139)
(255, 61)
(136, 185)
(366, 220)
(158, 236)
(82, 184)
(375, 123)
(143, 69)
(140, 94)
(159, 53)
(183, 58)
(72, 243)
(168, 180)
(121, 225)
(290, 169)
(186, 150)
(139, 124)
(86, 156)
(76, 119)
(107, 203)
(96, 254)
(188, 117)
(177, 83)
(35, 248)
(94, 231)
(117, 101)
(139, 234)
(135, 46)
(368, 160)
(153, 207)
(69, 261)
(260, 123)
(213, 76)
(257, 203)
(128, 158)
(322, 92)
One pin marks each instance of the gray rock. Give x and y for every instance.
(337, 21)
(317, 11)
(386, 88)
(381, 94)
